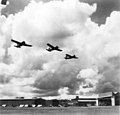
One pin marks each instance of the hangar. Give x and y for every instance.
(109, 99)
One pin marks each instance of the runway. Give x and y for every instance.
(61, 111)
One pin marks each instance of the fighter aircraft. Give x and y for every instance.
(4, 2)
(70, 56)
(51, 48)
(19, 44)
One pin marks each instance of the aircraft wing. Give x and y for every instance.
(59, 49)
(68, 55)
(50, 45)
(15, 41)
(76, 57)
(27, 45)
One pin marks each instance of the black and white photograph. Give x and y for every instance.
(59, 57)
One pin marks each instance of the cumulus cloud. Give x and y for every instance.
(36, 72)
(104, 9)
(14, 6)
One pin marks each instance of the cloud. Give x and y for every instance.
(14, 6)
(104, 9)
(37, 72)
(111, 73)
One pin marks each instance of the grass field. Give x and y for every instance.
(61, 111)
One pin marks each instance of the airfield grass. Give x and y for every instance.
(109, 110)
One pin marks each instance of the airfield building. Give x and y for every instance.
(86, 101)
(25, 102)
(109, 99)
(104, 99)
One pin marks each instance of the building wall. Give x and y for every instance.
(87, 103)
(55, 102)
(104, 101)
(48, 103)
(18, 102)
(117, 99)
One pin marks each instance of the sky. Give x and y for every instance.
(87, 28)
(104, 8)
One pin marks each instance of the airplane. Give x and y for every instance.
(19, 44)
(4, 2)
(70, 56)
(51, 48)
